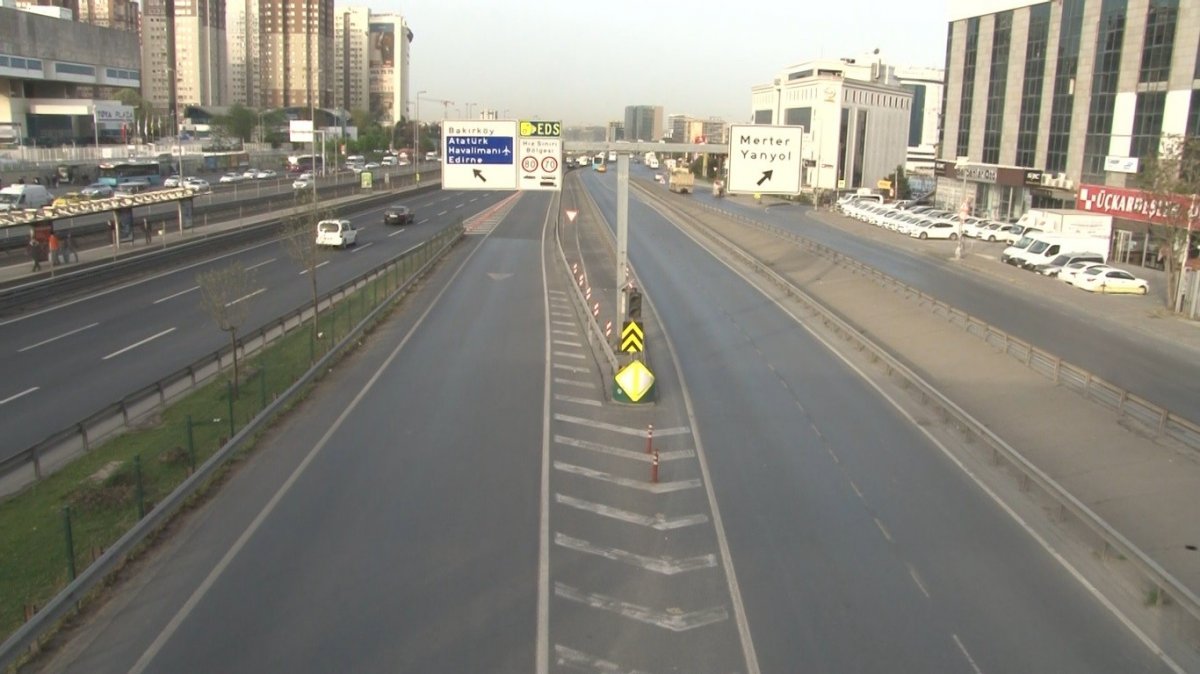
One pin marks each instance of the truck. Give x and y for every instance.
(681, 181)
(19, 197)
(1068, 222)
(1045, 247)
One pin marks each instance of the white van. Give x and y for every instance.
(1046, 247)
(336, 233)
(1017, 249)
(17, 197)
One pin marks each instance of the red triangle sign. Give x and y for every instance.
(571, 215)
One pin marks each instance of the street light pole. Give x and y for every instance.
(961, 167)
(417, 128)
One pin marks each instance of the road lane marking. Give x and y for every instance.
(558, 292)
(574, 382)
(563, 323)
(243, 298)
(19, 395)
(627, 430)
(560, 314)
(856, 489)
(542, 638)
(194, 599)
(917, 579)
(658, 521)
(967, 655)
(563, 342)
(260, 264)
(572, 333)
(398, 231)
(460, 205)
(362, 247)
(671, 455)
(443, 212)
(653, 488)
(55, 339)
(319, 265)
(883, 530)
(577, 401)
(672, 620)
(564, 354)
(665, 565)
(174, 295)
(137, 344)
(569, 657)
(571, 368)
(423, 221)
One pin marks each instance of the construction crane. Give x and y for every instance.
(445, 104)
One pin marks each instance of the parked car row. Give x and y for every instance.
(248, 174)
(918, 222)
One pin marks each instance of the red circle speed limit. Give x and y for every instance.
(530, 164)
(550, 164)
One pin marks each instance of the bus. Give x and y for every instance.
(215, 162)
(150, 170)
(304, 163)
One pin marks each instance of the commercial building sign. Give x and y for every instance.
(1009, 176)
(1137, 205)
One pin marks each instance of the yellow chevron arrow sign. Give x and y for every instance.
(633, 339)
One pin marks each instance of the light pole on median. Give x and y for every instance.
(960, 166)
(417, 128)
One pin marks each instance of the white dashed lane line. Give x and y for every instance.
(243, 298)
(55, 339)
(174, 295)
(19, 395)
(135, 345)
(317, 267)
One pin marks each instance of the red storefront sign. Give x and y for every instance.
(1138, 205)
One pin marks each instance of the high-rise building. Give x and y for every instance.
(371, 60)
(1059, 103)
(644, 122)
(615, 132)
(242, 45)
(295, 67)
(184, 54)
(119, 14)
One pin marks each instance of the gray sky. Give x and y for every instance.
(583, 61)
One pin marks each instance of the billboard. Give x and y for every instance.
(382, 38)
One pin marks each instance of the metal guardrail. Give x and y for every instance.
(1093, 387)
(1029, 475)
(595, 332)
(95, 574)
(89, 275)
(57, 448)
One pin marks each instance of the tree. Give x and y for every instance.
(1172, 181)
(300, 241)
(240, 122)
(225, 295)
(900, 187)
(362, 119)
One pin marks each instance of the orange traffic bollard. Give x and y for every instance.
(649, 438)
(654, 469)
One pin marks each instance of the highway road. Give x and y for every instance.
(64, 362)
(1157, 370)
(858, 545)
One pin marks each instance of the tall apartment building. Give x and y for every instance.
(644, 122)
(184, 54)
(1048, 101)
(371, 62)
(296, 64)
(242, 52)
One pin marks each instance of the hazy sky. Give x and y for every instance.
(583, 61)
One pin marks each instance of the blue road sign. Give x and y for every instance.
(479, 150)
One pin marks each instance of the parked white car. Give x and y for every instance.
(1073, 270)
(1056, 266)
(337, 233)
(1112, 281)
(936, 229)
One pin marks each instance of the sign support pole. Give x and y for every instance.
(622, 229)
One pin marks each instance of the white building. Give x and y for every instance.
(371, 60)
(241, 33)
(856, 115)
(928, 87)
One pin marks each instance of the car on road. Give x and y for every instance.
(172, 181)
(265, 174)
(197, 184)
(69, 199)
(97, 191)
(398, 214)
(304, 181)
(336, 233)
(1112, 281)
(132, 186)
(371, 165)
(232, 177)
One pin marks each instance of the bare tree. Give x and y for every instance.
(300, 241)
(224, 294)
(1172, 180)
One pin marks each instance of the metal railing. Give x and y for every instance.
(1160, 420)
(405, 268)
(595, 332)
(1165, 588)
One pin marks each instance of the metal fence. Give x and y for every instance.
(108, 504)
(1168, 593)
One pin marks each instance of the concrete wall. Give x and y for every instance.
(26, 34)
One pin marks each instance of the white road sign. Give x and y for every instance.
(764, 159)
(300, 131)
(541, 164)
(479, 155)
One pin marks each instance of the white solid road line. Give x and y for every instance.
(260, 264)
(967, 655)
(305, 271)
(55, 339)
(363, 247)
(174, 295)
(243, 298)
(22, 393)
(541, 654)
(137, 344)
